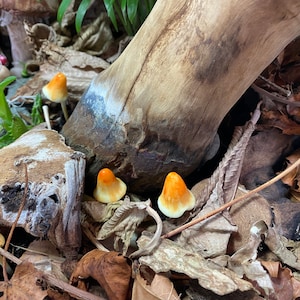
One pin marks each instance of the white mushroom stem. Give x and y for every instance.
(46, 116)
(64, 109)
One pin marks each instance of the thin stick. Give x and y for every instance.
(14, 225)
(72, 290)
(234, 201)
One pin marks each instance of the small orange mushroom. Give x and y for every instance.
(175, 198)
(109, 187)
(56, 91)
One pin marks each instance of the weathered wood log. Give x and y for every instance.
(158, 107)
(55, 187)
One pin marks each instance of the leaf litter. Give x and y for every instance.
(262, 264)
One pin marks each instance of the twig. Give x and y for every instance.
(234, 201)
(72, 290)
(283, 91)
(14, 225)
(275, 96)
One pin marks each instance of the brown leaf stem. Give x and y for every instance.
(234, 201)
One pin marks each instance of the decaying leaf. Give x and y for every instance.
(109, 269)
(244, 214)
(159, 289)
(210, 237)
(278, 245)
(170, 256)
(23, 285)
(244, 262)
(293, 178)
(99, 212)
(282, 279)
(125, 221)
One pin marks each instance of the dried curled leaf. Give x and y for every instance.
(125, 221)
(160, 288)
(169, 256)
(110, 269)
(278, 245)
(244, 262)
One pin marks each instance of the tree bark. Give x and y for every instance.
(158, 107)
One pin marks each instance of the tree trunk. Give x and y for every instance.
(158, 107)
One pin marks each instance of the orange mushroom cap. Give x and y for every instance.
(175, 198)
(56, 90)
(109, 188)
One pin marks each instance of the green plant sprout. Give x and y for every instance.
(12, 126)
(131, 13)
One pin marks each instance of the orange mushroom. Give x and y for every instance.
(56, 91)
(109, 188)
(175, 198)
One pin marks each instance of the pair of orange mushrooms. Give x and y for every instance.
(175, 198)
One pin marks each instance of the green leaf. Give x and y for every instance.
(109, 5)
(5, 140)
(124, 9)
(82, 9)
(37, 112)
(5, 112)
(62, 9)
(17, 127)
(132, 6)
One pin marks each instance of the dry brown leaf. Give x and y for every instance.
(23, 284)
(281, 278)
(99, 212)
(293, 178)
(210, 237)
(244, 215)
(170, 256)
(278, 245)
(296, 288)
(124, 223)
(281, 121)
(244, 262)
(109, 269)
(161, 288)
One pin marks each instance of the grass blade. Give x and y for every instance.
(82, 9)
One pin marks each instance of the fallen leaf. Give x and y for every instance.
(159, 289)
(170, 256)
(124, 223)
(277, 244)
(23, 285)
(109, 269)
(293, 178)
(244, 262)
(281, 279)
(210, 237)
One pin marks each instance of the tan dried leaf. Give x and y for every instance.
(170, 256)
(210, 237)
(23, 285)
(123, 223)
(109, 269)
(278, 245)
(160, 288)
